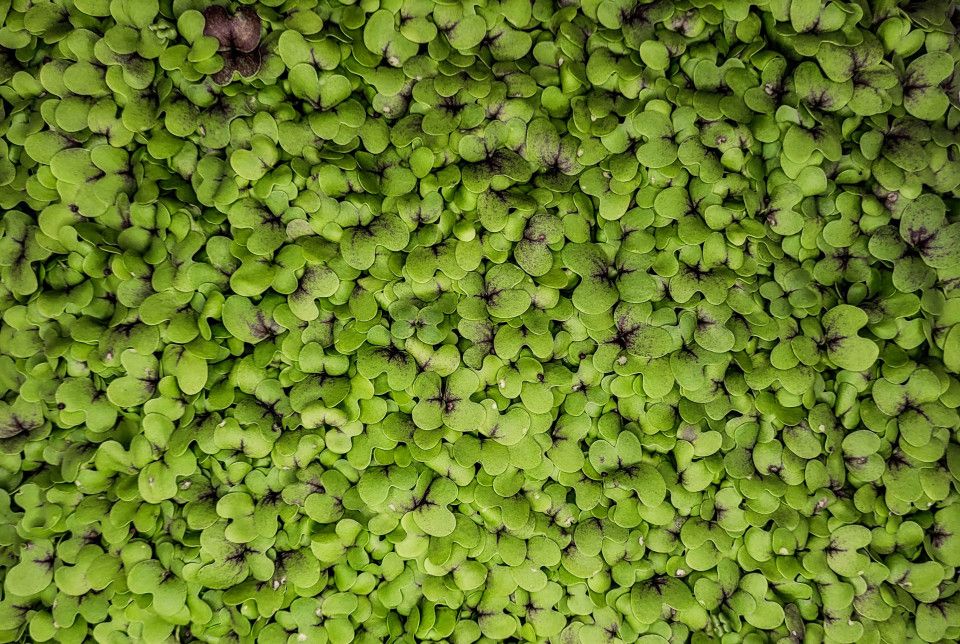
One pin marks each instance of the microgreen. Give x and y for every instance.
(580, 322)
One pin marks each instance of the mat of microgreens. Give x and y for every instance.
(569, 321)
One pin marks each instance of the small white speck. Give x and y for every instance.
(392, 506)
(502, 383)
(222, 423)
(579, 153)
(185, 485)
(681, 572)
(394, 61)
(821, 428)
(560, 60)
(302, 637)
(640, 541)
(386, 109)
(784, 551)
(622, 360)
